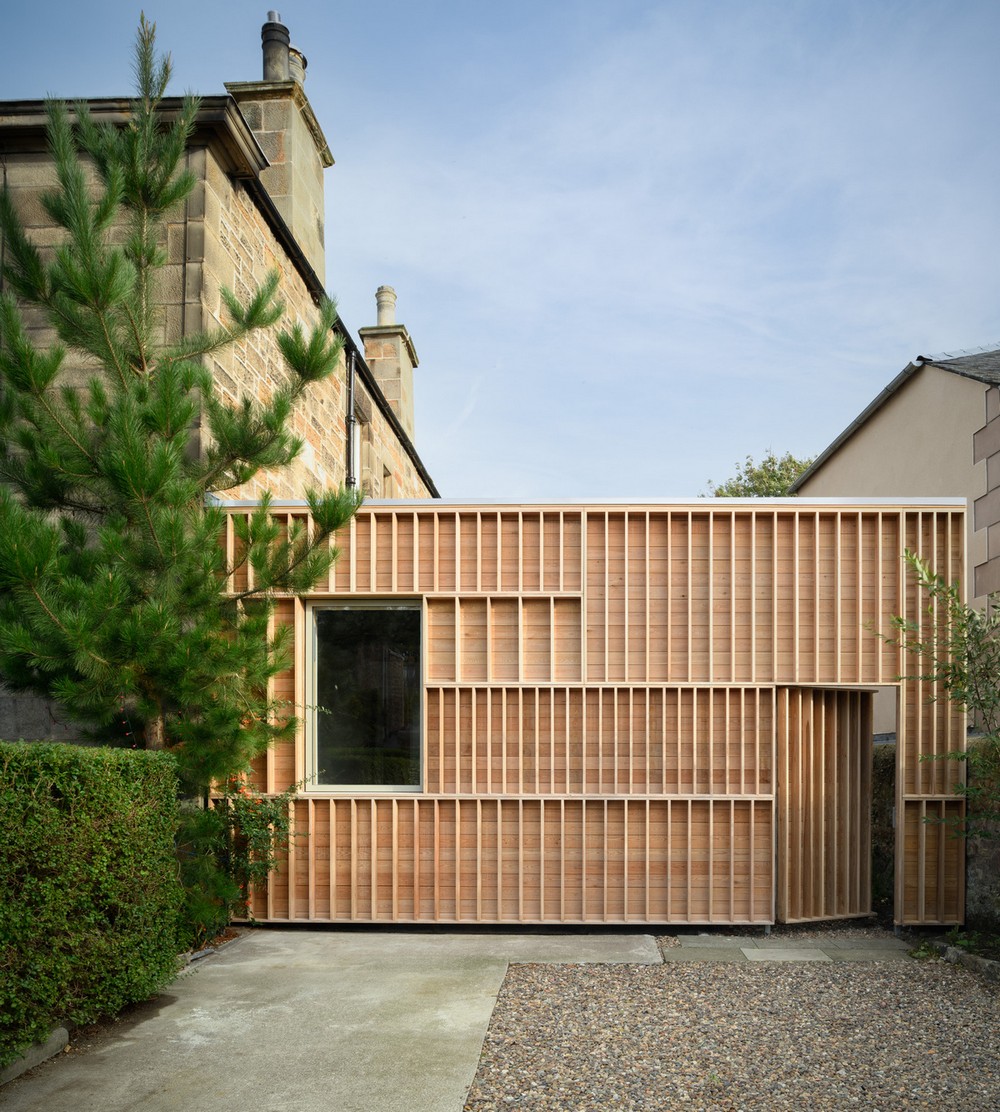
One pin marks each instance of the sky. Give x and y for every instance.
(633, 242)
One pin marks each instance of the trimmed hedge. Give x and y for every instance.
(982, 867)
(88, 876)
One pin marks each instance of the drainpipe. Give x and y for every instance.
(3, 241)
(352, 422)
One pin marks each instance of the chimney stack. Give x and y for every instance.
(284, 124)
(392, 358)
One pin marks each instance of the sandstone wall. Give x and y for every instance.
(239, 250)
(221, 238)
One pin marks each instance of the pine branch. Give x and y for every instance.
(113, 583)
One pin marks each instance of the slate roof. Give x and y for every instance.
(983, 366)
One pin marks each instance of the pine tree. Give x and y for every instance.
(113, 597)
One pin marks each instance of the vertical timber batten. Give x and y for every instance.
(930, 863)
(634, 714)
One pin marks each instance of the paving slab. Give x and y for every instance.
(868, 953)
(703, 953)
(714, 941)
(868, 944)
(787, 953)
(562, 949)
(778, 942)
(303, 1021)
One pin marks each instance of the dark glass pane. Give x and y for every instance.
(368, 697)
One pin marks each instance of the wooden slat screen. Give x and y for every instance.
(543, 860)
(591, 672)
(602, 741)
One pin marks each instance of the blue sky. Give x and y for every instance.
(632, 242)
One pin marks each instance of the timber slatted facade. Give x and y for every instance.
(632, 714)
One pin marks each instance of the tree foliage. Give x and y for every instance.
(961, 653)
(112, 578)
(771, 478)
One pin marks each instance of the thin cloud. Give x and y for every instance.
(634, 242)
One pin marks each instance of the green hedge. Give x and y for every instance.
(88, 876)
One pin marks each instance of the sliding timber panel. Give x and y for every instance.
(603, 689)
(824, 761)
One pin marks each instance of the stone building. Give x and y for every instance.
(259, 155)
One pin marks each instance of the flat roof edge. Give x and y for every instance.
(598, 503)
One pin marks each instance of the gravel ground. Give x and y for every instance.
(728, 1037)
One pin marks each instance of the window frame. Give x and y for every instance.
(315, 607)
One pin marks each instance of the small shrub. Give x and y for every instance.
(964, 940)
(210, 892)
(225, 853)
(88, 919)
(258, 829)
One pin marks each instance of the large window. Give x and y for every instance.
(366, 696)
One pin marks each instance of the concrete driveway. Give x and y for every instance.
(303, 1020)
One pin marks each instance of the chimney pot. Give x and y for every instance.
(385, 299)
(297, 65)
(274, 40)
